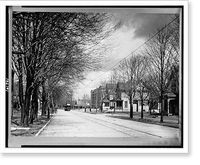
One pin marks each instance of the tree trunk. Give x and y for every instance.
(150, 106)
(21, 90)
(161, 82)
(35, 110)
(48, 105)
(44, 100)
(31, 113)
(53, 106)
(27, 101)
(44, 106)
(137, 106)
(161, 101)
(34, 106)
(131, 107)
(142, 104)
(21, 98)
(114, 108)
(141, 108)
(48, 113)
(161, 113)
(27, 108)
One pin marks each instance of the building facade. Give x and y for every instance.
(114, 97)
(97, 96)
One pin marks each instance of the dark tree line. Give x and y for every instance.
(48, 49)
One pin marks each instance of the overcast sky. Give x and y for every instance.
(133, 30)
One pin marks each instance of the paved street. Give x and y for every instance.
(76, 123)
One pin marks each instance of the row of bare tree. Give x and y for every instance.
(49, 55)
(154, 68)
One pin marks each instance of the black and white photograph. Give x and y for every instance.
(95, 76)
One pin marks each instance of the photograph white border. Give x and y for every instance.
(99, 150)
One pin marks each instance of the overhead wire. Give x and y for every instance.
(132, 51)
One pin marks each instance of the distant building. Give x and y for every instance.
(114, 96)
(96, 97)
(80, 103)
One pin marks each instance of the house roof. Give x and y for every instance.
(118, 99)
(119, 85)
(106, 101)
(122, 86)
(170, 95)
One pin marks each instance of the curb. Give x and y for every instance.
(44, 126)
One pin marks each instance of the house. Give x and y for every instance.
(114, 97)
(171, 95)
(171, 104)
(107, 100)
(121, 98)
(141, 97)
(101, 97)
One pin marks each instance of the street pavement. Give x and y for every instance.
(78, 124)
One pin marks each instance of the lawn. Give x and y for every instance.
(170, 121)
(17, 130)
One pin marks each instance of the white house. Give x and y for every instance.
(118, 99)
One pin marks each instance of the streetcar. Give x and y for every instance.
(67, 107)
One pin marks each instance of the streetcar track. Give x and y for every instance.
(88, 118)
(103, 125)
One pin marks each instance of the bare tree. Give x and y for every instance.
(140, 78)
(162, 55)
(130, 72)
(49, 44)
